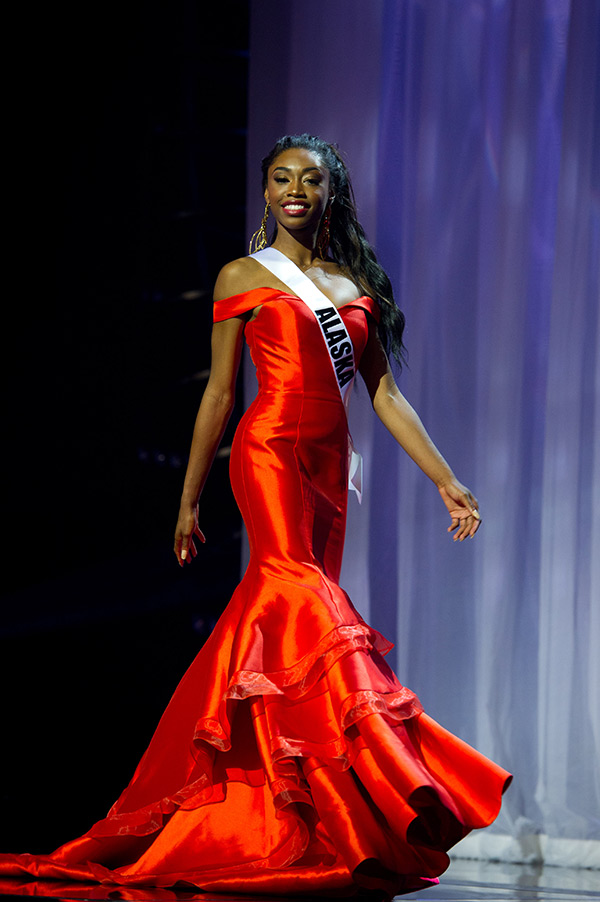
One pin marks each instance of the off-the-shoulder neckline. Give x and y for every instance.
(288, 294)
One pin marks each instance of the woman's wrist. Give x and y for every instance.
(444, 478)
(188, 502)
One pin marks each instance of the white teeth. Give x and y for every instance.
(294, 207)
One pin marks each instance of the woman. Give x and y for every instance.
(290, 759)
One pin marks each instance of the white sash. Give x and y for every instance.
(335, 336)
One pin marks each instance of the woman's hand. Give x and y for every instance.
(187, 528)
(462, 507)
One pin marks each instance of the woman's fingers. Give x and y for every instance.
(464, 524)
(188, 550)
(463, 509)
(187, 527)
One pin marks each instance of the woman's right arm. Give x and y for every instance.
(215, 409)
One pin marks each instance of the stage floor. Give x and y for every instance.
(465, 881)
(483, 881)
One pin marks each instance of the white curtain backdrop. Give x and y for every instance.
(472, 132)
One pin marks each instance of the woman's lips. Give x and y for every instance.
(294, 209)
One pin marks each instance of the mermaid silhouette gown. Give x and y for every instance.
(290, 759)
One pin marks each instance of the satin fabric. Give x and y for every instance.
(290, 758)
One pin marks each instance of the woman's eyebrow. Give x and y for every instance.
(306, 169)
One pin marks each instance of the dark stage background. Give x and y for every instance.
(133, 119)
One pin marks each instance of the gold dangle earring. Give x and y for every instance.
(259, 239)
(323, 236)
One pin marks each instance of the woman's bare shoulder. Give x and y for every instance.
(238, 276)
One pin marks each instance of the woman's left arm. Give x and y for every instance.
(402, 421)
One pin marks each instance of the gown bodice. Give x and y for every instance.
(285, 342)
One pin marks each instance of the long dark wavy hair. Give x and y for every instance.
(347, 242)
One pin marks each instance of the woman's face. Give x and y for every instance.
(298, 189)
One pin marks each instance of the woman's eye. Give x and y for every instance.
(280, 179)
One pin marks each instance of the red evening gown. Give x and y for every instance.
(290, 759)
